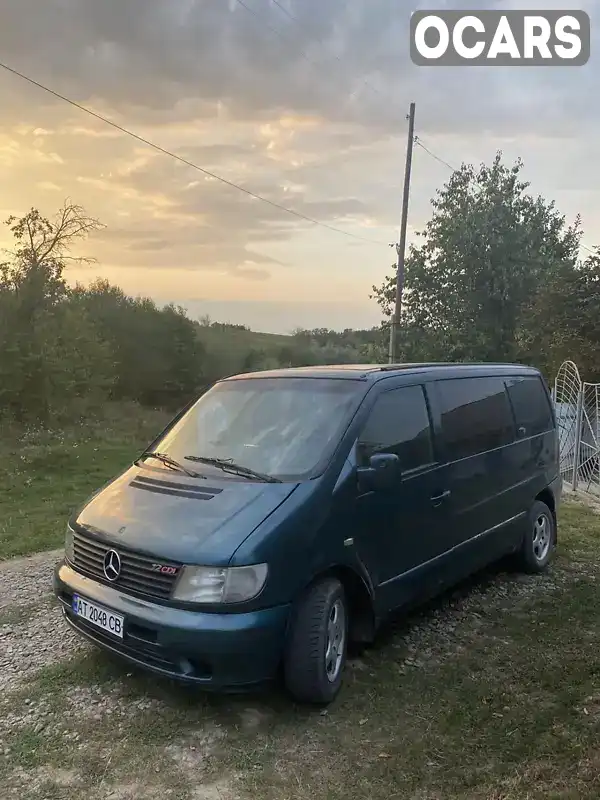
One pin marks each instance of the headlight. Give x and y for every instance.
(69, 547)
(210, 585)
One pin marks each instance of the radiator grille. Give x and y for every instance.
(138, 574)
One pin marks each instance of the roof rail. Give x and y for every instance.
(429, 364)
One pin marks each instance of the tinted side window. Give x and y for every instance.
(399, 423)
(476, 416)
(530, 404)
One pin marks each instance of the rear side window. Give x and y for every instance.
(398, 423)
(531, 406)
(476, 416)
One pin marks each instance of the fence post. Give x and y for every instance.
(577, 438)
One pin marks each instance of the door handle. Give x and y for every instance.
(438, 499)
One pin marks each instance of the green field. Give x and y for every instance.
(216, 339)
(492, 692)
(44, 475)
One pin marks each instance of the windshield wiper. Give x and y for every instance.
(170, 462)
(229, 465)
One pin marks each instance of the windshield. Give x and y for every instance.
(282, 427)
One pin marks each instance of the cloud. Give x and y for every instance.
(157, 61)
(309, 113)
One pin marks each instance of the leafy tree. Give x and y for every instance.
(487, 250)
(258, 359)
(78, 372)
(158, 356)
(33, 292)
(325, 346)
(564, 321)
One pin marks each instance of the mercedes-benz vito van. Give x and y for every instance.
(286, 513)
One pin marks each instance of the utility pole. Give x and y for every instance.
(401, 246)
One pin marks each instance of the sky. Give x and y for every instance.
(309, 113)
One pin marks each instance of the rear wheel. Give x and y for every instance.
(539, 540)
(317, 647)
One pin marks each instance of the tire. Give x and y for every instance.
(313, 668)
(539, 540)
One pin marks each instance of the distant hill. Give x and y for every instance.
(235, 348)
(219, 334)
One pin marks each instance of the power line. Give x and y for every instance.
(260, 17)
(446, 164)
(295, 19)
(433, 155)
(185, 161)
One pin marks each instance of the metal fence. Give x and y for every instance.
(577, 406)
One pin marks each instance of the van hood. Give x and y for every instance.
(178, 518)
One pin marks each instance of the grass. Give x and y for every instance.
(44, 475)
(215, 339)
(227, 349)
(492, 692)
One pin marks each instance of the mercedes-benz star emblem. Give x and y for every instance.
(112, 565)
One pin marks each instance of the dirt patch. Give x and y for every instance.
(220, 790)
(60, 777)
(102, 703)
(582, 498)
(487, 693)
(198, 747)
(254, 718)
(129, 791)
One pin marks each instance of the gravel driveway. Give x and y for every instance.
(70, 717)
(74, 724)
(30, 620)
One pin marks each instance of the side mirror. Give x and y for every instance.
(382, 473)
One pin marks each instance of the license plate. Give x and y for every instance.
(98, 616)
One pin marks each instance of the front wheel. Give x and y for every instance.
(316, 651)
(539, 540)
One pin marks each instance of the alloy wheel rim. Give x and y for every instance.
(336, 640)
(541, 537)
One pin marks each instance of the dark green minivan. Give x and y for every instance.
(285, 514)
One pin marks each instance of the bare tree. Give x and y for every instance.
(44, 246)
(41, 240)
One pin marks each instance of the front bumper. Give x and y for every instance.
(218, 651)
